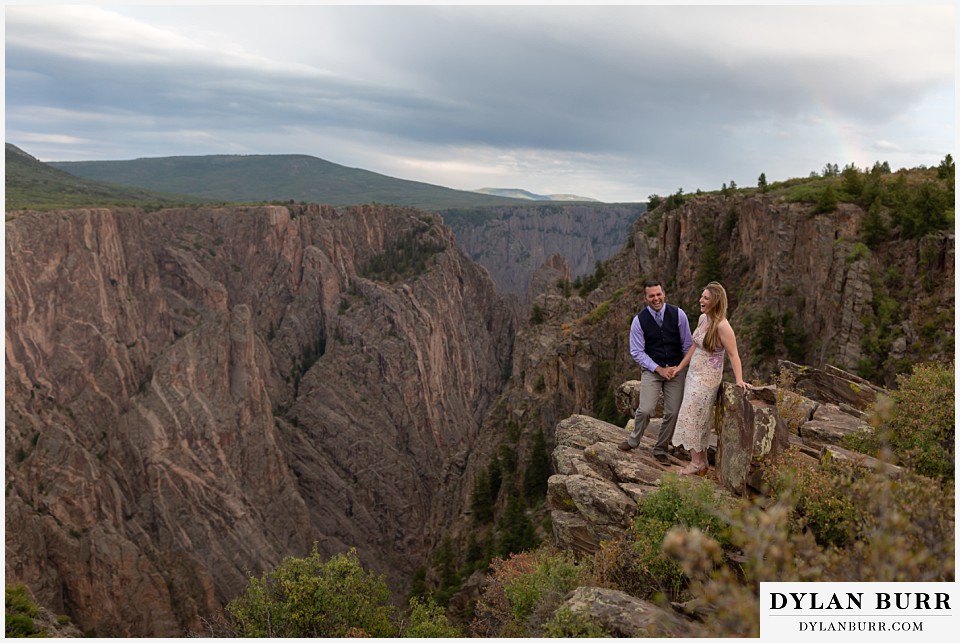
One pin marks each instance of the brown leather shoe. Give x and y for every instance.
(624, 446)
(662, 458)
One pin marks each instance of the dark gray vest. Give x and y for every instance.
(662, 343)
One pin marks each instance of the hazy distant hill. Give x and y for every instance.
(282, 177)
(515, 193)
(510, 237)
(33, 184)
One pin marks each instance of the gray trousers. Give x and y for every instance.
(651, 385)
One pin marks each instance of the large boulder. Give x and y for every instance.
(839, 454)
(593, 495)
(626, 616)
(832, 385)
(751, 433)
(829, 425)
(627, 399)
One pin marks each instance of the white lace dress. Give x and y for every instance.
(699, 393)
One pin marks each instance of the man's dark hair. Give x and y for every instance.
(650, 283)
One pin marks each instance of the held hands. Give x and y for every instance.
(667, 372)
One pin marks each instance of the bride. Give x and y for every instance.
(713, 337)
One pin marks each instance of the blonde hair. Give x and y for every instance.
(716, 314)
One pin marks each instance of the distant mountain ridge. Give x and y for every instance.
(516, 193)
(510, 237)
(279, 177)
(31, 183)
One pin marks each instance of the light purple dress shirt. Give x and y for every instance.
(638, 342)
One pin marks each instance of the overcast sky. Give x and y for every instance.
(614, 103)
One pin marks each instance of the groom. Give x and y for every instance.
(659, 338)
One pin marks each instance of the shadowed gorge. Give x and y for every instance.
(194, 393)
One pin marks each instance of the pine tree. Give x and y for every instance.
(874, 228)
(481, 503)
(709, 268)
(495, 474)
(538, 470)
(516, 531)
(852, 181)
(827, 201)
(445, 564)
(947, 168)
(536, 316)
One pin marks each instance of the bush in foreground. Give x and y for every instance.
(920, 429)
(524, 592)
(310, 597)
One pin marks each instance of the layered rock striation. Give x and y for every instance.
(193, 394)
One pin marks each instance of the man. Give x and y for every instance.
(659, 338)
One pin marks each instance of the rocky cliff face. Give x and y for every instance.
(512, 243)
(194, 394)
(593, 495)
(802, 284)
(801, 287)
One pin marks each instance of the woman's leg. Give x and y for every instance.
(698, 463)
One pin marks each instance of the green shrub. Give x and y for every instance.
(17, 600)
(537, 317)
(19, 626)
(858, 251)
(637, 565)
(549, 581)
(428, 620)
(656, 573)
(866, 441)
(598, 314)
(821, 504)
(905, 532)
(685, 501)
(20, 610)
(540, 384)
(567, 624)
(524, 592)
(307, 597)
(826, 201)
(408, 257)
(920, 428)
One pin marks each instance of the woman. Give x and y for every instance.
(711, 339)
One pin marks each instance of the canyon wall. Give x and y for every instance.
(802, 286)
(193, 394)
(513, 242)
